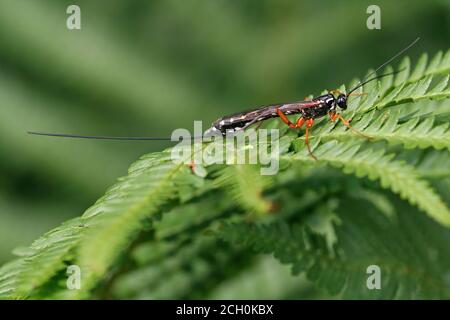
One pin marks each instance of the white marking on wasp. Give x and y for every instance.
(211, 131)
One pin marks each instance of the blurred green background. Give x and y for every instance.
(148, 67)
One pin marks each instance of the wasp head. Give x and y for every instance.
(341, 101)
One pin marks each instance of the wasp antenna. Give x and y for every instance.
(398, 54)
(374, 78)
(77, 136)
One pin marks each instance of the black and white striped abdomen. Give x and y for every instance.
(242, 120)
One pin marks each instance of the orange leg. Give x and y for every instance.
(334, 116)
(191, 165)
(291, 125)
(309, 124)
(299, 124)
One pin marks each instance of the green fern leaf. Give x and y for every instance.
(245, 185)
(415, 133)
(365, 238)
(117, 217)
(397, 176)
(47, 256)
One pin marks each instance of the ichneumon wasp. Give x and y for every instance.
(309, 110)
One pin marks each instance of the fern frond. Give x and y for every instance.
(245, 185)
(415, 91)
(364, 238)
(415, 133)
(191, 267)
(430, 164)
(8, 279)
(399, 177)
(47, 255)
(407, 86)
(435, 165)
(264, 279)
(117, 217)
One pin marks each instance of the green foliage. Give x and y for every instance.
(375, 165)
(245, 185)
(411, 252)
(164, 232)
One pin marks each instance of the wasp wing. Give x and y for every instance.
(270, 111)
